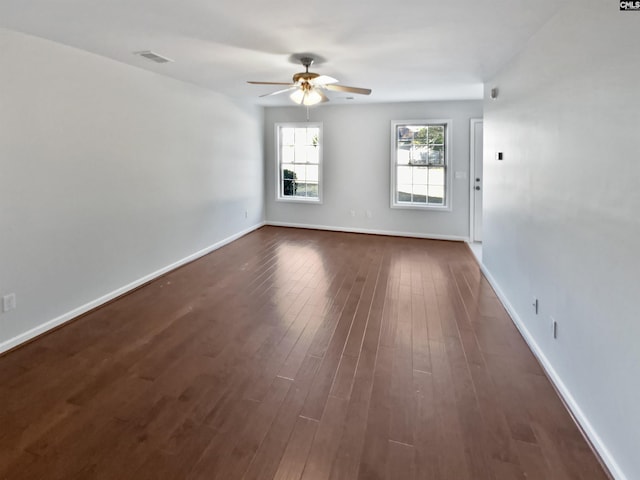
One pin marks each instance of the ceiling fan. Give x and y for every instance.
(307, 87)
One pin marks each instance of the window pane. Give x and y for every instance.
(300, 136)
(404, 133)
(436, 135)
(420, 194)
(436, 176)
(300, 153)
(313, 135)
(312, 154)
(287, 135)
(300, 171)
(404, 193)
(436, 195)
(404, 176)
(287, 155)
(288, 188)
(436, 155)
(312, 173)
(312, 190)
(420, 176)
(403, 154)
(301, 189)
(420, 155)
(420, 136)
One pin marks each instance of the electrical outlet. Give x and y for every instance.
(369, 214)
(9, 302)
(535, 305)
(353, 213)
(554, 328)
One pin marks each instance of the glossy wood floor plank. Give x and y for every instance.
(292, 354)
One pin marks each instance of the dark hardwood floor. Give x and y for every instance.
(292, 354)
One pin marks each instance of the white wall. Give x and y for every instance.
(356, 168)
(108, 174)
(562, 212)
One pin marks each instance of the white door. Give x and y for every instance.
(476, 180)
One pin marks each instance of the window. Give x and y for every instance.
(420, 164)
(299, 162)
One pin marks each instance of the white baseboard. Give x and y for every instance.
(43, 328)
(565, 393)
(430, 236)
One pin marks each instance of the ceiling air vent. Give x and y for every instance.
(154, 57)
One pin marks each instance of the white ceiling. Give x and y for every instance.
(403, 51)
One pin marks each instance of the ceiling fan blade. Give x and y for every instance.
(280, 91)
(323, 80)
(324, 97)
(271, 83)
(342, 88)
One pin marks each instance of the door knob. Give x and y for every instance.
(477, 187)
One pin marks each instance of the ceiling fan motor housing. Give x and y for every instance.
(304, 77)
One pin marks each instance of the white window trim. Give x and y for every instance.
(308, 200)
(448, 195)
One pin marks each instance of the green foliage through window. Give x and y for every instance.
(290, 186)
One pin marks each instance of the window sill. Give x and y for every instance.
(408, 206)
(314, 201)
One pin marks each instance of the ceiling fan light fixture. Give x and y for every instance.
(298, 96)
(312, 97)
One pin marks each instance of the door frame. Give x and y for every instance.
(472, 176)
